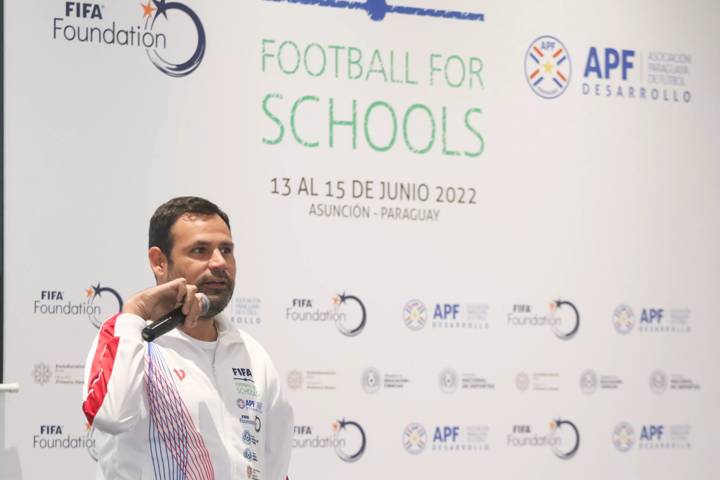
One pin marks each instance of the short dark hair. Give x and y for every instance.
(167, 214)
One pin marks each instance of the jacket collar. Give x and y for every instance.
(227, 332)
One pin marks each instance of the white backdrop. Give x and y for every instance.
(595, 189)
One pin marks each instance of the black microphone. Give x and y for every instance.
(172, 320)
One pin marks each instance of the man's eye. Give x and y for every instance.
(226, 250)
(198, 250)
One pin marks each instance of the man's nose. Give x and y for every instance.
(217, 261)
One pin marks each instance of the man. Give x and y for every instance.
(203, 401)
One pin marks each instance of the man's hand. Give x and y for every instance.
(155, 302)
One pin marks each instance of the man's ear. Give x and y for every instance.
(158, 263)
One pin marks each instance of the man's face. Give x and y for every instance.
(203, 254)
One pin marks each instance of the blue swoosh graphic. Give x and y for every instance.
(377, 9)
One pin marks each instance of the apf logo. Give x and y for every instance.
(612, 61)
(548, 67)
(652, 437)
(160, 22)
(623, 437)
(623, 319)
(415, 315)
(652, 433)
(651, 320)
(378, 9)
(446, 315)
(447, 433)
(414, 438)
(610, 72)
(350, 441)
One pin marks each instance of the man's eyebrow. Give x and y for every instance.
(205, 242)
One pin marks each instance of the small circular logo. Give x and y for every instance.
(623, 437)
(414, 438)
(258, 424)
(241, 403)
(448, 380)
(350, 440)
(346, 327)
(547, 67)
(415, 315)
(522, 381)
(248, 454)
(623, 319)
(588, 381)
(247, 437)
(101, 307)
(41, 373)
(295, 379)
(658, 382)
(567, 438)
(371, 380)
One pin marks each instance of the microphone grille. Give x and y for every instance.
(204, 304)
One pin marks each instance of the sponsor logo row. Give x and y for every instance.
(350, 316)
(348, 439)
(451, 381)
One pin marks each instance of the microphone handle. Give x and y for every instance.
(161, 327)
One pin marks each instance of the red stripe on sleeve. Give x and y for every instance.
(102, 366)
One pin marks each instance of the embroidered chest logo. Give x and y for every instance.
(244, 382)
(180, 374)
(243, 374)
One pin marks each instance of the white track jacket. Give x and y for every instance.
(163, 410)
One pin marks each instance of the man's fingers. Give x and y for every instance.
(189, 298)
(181, 285)
(191, 318)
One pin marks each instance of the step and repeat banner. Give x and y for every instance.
(479, 239)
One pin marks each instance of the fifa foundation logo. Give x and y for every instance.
(346, 311)
(157, 29)
(347, 439)
(563, 438)
(377, 10)
(100, 303)
(548, 67)
(58, 437)
(562, 317)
